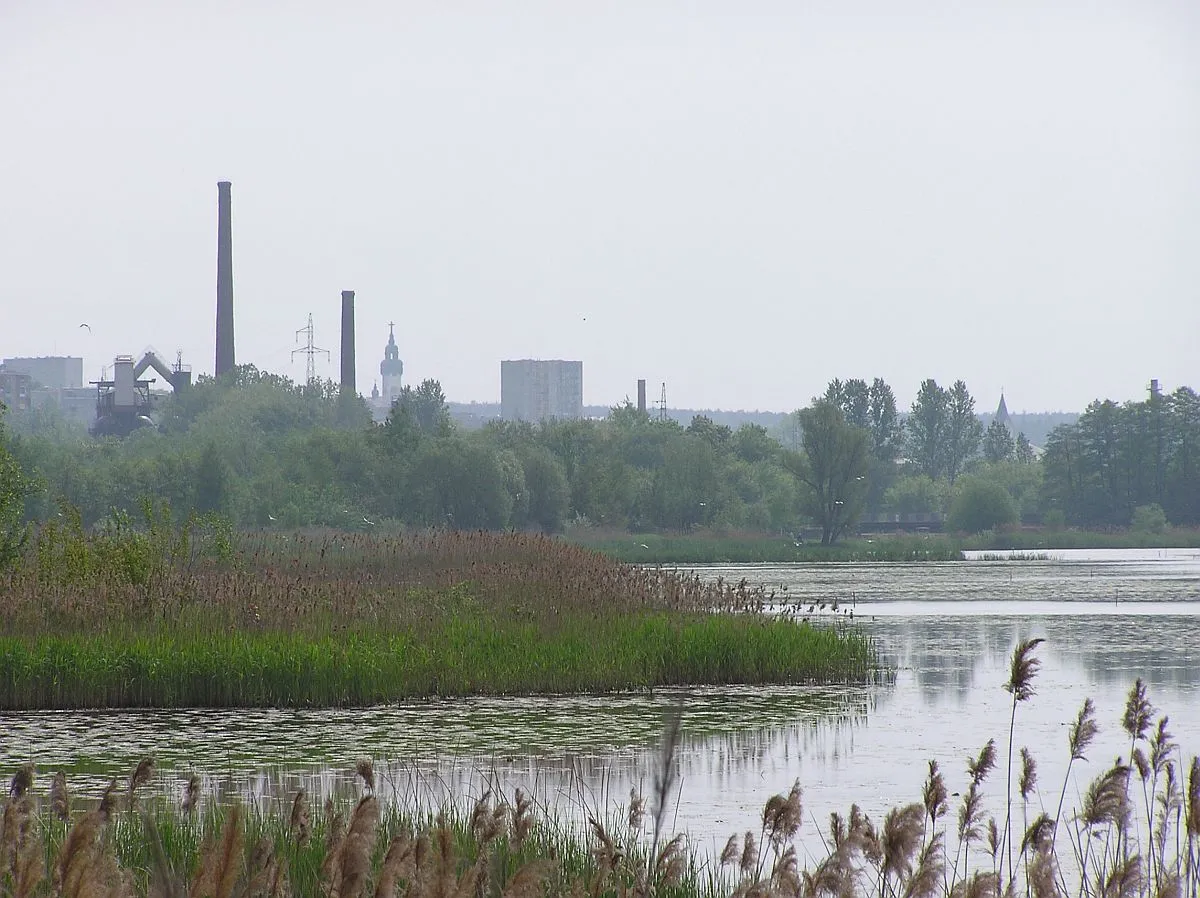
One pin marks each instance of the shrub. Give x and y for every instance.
(1054, 520)
(981, 505)
(1149, 519)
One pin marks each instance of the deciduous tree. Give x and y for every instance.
(926, 429)
(832, 470)
(997, 442)
(963, 430)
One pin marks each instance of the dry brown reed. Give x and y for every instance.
(191, 796)
(303, 582)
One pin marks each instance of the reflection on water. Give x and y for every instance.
(575, 732)
(1108, 650)
(949, 629)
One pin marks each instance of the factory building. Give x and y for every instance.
(541, 389)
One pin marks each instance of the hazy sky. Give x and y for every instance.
(741, 199)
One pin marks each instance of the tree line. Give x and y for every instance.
(268, 452)
(1119, 458)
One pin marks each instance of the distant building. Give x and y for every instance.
(55, 372)
(391, 369)
(1002, 413)
(537, 390)
(16, 389)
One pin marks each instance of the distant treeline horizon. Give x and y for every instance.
(1035, 425)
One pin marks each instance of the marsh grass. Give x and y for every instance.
(1015, 556)
(332, 619)
(1134, 834)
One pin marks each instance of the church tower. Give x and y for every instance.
(391, 368)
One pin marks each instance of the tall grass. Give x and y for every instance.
(1135, 833)
(458, 656)
(197, 618)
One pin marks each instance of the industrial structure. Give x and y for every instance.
(124, 403)
(347, 359)
(538, 390)
(641, 406)
(225, 357)
(391, 369)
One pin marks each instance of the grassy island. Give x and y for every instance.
(170, 617)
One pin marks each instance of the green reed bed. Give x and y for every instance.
(329, 619)
(753, 549)
(204, 668)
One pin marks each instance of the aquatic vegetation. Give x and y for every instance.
(1134, 833)
(134, 619)
(1016, 556)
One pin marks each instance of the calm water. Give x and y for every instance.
(1108, 618)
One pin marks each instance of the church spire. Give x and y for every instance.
(1002, 411)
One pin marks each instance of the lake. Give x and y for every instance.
(1108, 617)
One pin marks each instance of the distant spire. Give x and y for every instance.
(1002, 411)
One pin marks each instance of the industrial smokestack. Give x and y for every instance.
(224, 361)
(642, 395)
(348, 343)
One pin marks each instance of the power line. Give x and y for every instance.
(309, 350)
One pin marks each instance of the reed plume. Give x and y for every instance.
(1138, 712)
(60, 798)
(400, 849)
(299, 821)
(924, 881)
(1106, 801)
(365, 768)
(934, 794)
(522, 818)
(730, 854)
(900, 839)
(1123, 881)
(220, 860)
(22, 781)
(351, 866)
(191, 796)
(528, 881)
(1027, 781)
(140, 776)
(665, 774)
(1022, 670)
(80, 860)
(637, 811)
(1082, 733)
